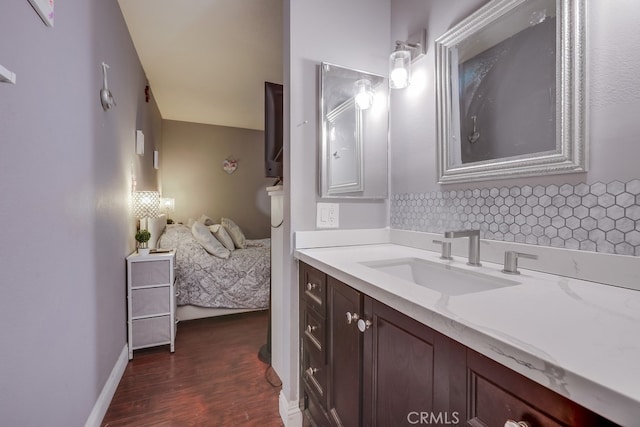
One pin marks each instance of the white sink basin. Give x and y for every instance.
(442, 278)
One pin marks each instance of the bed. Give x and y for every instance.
(208, 285)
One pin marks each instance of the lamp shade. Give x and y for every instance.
(399, 68)
(146, 204)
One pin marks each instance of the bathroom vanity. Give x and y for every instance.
(379, 348)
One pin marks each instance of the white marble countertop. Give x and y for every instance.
(578, 338)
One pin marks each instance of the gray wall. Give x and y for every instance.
(413, 110)
(613, 91)
(353, 34)
(191, 172)
(65, 180)
(590, 211)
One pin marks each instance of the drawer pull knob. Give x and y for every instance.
(311, 371)
(352, 317)
(511, 423)
(311, 286)
(310, 328)
(363, 325)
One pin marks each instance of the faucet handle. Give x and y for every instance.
(445, 250)
(511, 261)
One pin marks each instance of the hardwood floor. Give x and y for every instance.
(214, 378)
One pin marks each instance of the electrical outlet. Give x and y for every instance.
(327, 215)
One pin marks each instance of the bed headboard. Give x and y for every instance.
(156, 226)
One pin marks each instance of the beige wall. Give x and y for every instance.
(191, 172)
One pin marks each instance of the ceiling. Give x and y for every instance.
(207, 60)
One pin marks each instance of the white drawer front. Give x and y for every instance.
(151, 331)
(150, 273)
(150, 301)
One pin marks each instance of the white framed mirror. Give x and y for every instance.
(510, 92)
(353, 133)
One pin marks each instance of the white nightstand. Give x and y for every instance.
(151, 300)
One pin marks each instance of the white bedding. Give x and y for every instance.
(241, 281)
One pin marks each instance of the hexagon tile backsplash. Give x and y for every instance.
(598, 217)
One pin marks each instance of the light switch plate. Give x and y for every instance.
(327, 215)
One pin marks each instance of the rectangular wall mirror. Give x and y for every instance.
(510, 92)
(353, 133)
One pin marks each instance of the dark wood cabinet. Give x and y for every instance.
(313, 352)
(407, 369)
(366, 364)
(381, 366)
(496, 394)
(344, 307)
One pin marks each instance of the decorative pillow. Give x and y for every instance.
(236, 234)
(190, 222)
(206, 220)
(221, 234)
(208, 241)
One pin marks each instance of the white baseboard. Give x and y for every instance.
(289, 412)
(109, 389)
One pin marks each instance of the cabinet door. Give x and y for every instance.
(407, 371)
(345, 353)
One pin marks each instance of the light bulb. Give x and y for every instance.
(399, 69)
(399, 78)
(363, 94)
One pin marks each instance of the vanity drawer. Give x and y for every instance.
(315, 414)
(314, 374)
(151, 301)
(313, 287)
(313, 330)
(496, 394)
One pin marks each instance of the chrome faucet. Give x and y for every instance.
(445, 249)
(511, 261)
(474, 243)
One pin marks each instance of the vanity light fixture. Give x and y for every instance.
(363, 94)
(403, 55)
(399, 67)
